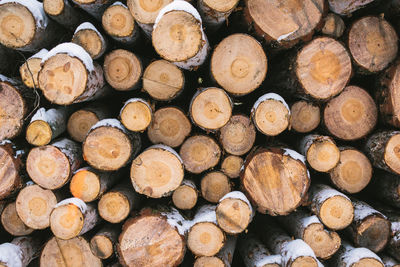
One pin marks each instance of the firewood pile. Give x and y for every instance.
(205, 133)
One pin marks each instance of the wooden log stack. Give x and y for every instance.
(207, 133)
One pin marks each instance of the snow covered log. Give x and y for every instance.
(210, 108)
(204, 237)
(123, 70)
(294, 252)
(53, 165)
(354, 171)
(79, 249)
(334, 209)
(46, 125)
(200, 153)
(157, 171)
(116, 205)
(320, 151)
(238, 63)
(170, 126)
(90, 184)
(109, 146)
(383, 148)
(25, 26)
(349, 256)
(20, 251)
(30, 69)
(271, 190)
(214, 185)
(271, 114)
(293, 21)
(139, 246)
(370, 228)
(87, 36)
(255, 254)
(69, 75)
(119, 23)
(186, 195)
(178, 35)
(73, 217)
(234, 212)
(136, 114)
(301, 225)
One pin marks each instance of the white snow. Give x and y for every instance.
(189, 183)
(294, 155)
(6, 79)
(310, 220)
(269, 96)
(175, 219)
(325, 192)
(180, 5)
(40, 54)
(363, 210)
(74, 201)
(395, 227)
(35, 7)
(205, 214)
(29, 183)
(132, 100)
(284, 36)
(354, 255)
(6, 141)
(167, 148)
(119, 4)
(109, 123)
(51, 116)
(11, 255)
(72, 50)
(88, 26)
(295, 249)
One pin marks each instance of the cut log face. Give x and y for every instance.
(215, 12)
(52, 166)
(209, 261)
(280, 172)
(333, 208)
(200, 153)
(34, 206)
(351, 115)
(334, 25)
(87, 36)
(13, 109)
(80, 122)
(10, 179)
(205, 239)
(323, 68)
(122, 70)
(239, 64)
(72, 252)
(72, 217)
(18, 25)
(163, 80)
(372, 43)
(353, 173)
(136, 115)
(30, 69)
(170, 126)
(108, 147)
(304, 116)
(138, 246)
(145, 12)
(102, 243)
(185, 196)
(321, 152)
(119, 23)
(234, 212)
(214, 186)
(271, 114)
(211, 108)
(53, 7)
(388, 96)
(231, 166)
(12, 223)
(238, 135)
(157, 171)
(287, 22)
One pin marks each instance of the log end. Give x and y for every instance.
(66, 221)
(39, 133)
(336, 212)
(205, 239)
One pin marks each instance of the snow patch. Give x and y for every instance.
(88, 26)
(74, 201)
(119, 4)
(238, 195)
(109, 123)
(205, 214)
(189, 183)
(295, 249)
(179, 5)
(175, 219)
(294, 155)
(352, 256)
(270, 96)
(363, 210)
(11, 255)
(73, 50)
(40, 54)
(36, 9)
(284, 36)
(6, 79)
(325, 192)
